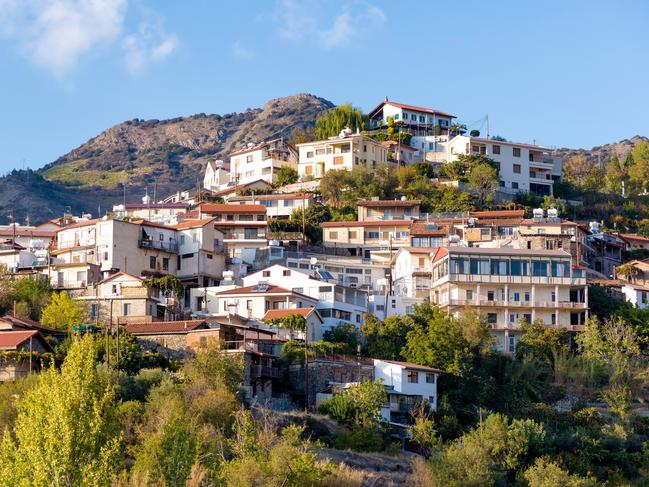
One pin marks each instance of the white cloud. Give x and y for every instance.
(356, 20)
(242, 52)
(57, 34)
(150, 44)
(298, 20)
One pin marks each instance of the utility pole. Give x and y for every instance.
(306, 366)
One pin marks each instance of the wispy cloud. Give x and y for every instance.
(299, 20)
(240, 51)
(58, 34)
(149, 44)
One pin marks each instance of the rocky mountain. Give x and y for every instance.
(603, 153)
(171, 154)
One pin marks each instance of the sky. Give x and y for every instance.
(559, 73)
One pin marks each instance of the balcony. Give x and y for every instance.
(498, 303)
(493, 279)
(263, 371)
(158, 245)
(237, 236)
(542, 161)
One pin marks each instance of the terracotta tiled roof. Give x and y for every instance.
(163, 327)
(634, 236)
(389, 203)
(367, 223)
(409, 365)
(31, 325)
(80, 224)
(10, 340)
(420, 228)
(283, 313)
(411, 107)
(192, 224)
(497, 214)
(271, 289)
(231, 208)
(24, 232)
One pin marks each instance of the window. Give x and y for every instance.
(286, 272)
(517, 168)
(502, 183)
(490, 295)
(413, 377)
(517, 297)
(93, 311)
(514, 185)
(469, 295)
(527, 296)
(353, 235)
(182, 240)
(496, 149)
(152, 262)
(516, 151)
(492, 318)
(333, 235)
(405, 116)
(249, 304)
(553, 297)
(373, 235)
(165, 263)
(319, 152)
(396, 116)
(209, 256)
(338, 160)
(430, 378)
(309, 154)
(554, 318)
(127, 309)
(265, 273)
(512, 344)
(249, 158)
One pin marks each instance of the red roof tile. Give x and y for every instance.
(10, 340)
(271, 289)
(367, 223)
(388, 203)
(231, 208)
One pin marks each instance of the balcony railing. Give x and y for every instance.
(158, 245)
(244, 236)
(499, 303)
(263, 371)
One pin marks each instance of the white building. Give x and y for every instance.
(407, 385)
(261, 161)
(278, 205)
(411, 116)
(217, 175)
(336, 304)
(522, 167)
(509, 286)
(346, 151)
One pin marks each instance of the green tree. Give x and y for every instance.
(424, 169)
(359, 405)
(639, 171)
(542, 343)
(386, 339)
(550, 202)
(546, 473)
(583, 174)
(34, 293)
(333, 121)
(66, 429)
(286, 175)
(345, 334)
(616, 173)
(484, 182)
(63, 312)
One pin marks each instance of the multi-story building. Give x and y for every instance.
(200, 260)
(244, 227)
(279, 206)
(336, 304)
(376, 209)
(412, 274)
(522, 167)
(510, 285)
(164, 213)
(138, 247)
(347, 151)
(362, 237)
(428, 235)
(410, 116)
(261, 161)
(217, 175)
(123, 298)
(603, 251)
(552, 232)
(407, 385)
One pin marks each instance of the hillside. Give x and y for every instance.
(604, 152)
(170, 153)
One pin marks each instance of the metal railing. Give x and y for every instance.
(157, 245)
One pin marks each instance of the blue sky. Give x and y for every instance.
(561, 73)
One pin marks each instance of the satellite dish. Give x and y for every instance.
(313, 260)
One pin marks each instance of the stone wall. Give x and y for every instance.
(323, 372)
